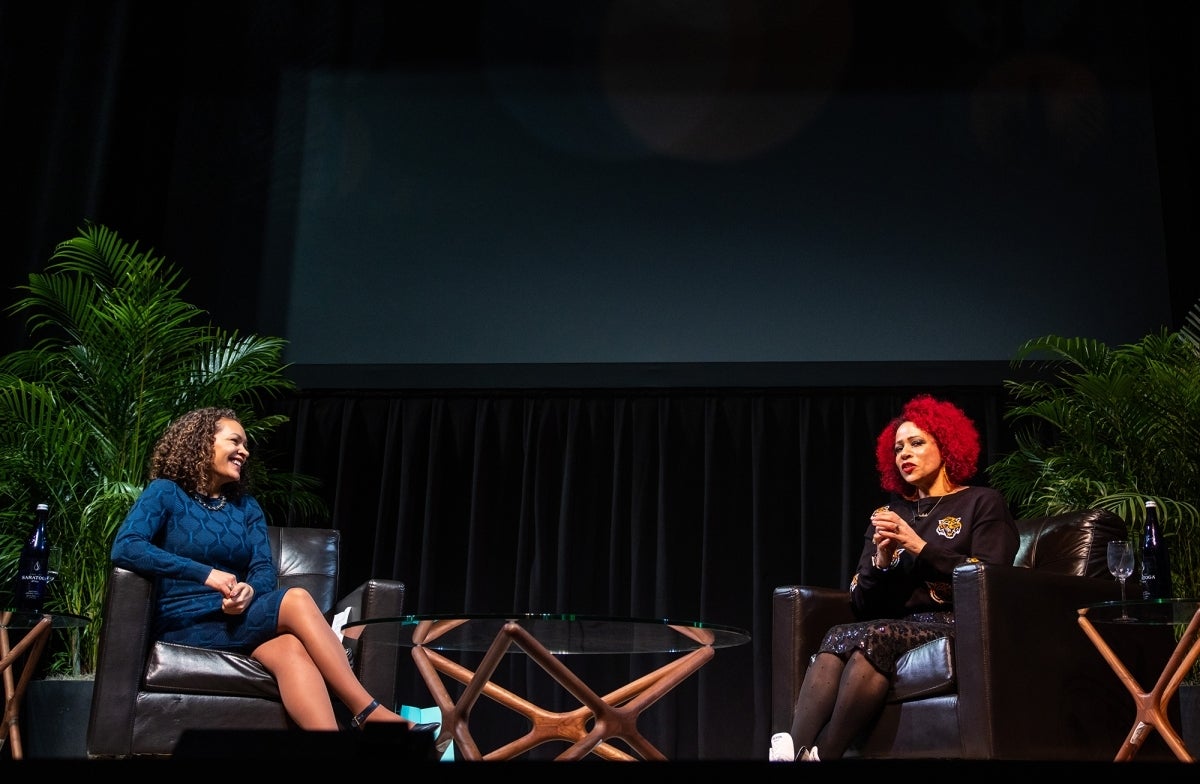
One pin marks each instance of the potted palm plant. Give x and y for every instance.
(1114, 427)
(116, 354)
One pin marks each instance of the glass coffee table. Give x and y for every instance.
(36, 628)
(1184, 614)
(546, 639)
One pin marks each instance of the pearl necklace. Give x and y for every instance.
(207, 502)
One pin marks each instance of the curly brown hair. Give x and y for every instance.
(953, 431)
(184, 451)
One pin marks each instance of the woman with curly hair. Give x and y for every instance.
(204, 540)
(901, 591)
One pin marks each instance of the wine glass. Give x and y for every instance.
(1120, 563)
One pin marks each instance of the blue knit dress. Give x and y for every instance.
(171, 538)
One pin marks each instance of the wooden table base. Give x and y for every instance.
(1152, 705)
(34, 641)
(614, 715)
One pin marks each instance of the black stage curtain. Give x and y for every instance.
(685, 504)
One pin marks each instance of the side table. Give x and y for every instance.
(1151, 705)
(545, 638)
(37, 628)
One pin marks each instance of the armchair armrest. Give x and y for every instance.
(124, 642)
(376, 662)
(1030, 683)
(800, 616)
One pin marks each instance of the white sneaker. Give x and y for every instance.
(809, 755)
(782, 748)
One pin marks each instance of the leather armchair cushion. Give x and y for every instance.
(171, 667)
(184, 669)
(925, 671)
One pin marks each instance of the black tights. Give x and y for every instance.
(837, 701)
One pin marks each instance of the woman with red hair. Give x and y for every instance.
(901, 592)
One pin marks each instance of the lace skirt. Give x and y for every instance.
(883, 640)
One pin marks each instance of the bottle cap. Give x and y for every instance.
(1151, 503)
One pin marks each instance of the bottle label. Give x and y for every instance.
(1152, 586)
(32, 581)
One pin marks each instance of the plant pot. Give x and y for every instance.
(54, 718)
(1189, 716)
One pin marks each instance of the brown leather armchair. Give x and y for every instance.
(147, 694)
(1020, 680)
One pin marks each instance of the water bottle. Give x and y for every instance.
(33, 569)
(1156, 561)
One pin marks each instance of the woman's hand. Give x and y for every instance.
(238, 599)
(220, 581)
(892, 533)
(235, 596)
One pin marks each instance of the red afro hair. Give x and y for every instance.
(954, 432)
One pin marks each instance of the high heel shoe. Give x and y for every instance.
(429, 727)
(437, 745)
(441, 744)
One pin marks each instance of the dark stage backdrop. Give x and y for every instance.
(634, 184)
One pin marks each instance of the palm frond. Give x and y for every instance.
(1111, 428)
(118, 354)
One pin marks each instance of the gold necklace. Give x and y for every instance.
(917, 514)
